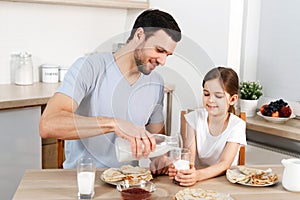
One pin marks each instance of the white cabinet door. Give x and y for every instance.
(257, 154)
(20, 146)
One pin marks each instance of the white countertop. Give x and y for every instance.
(17, 96)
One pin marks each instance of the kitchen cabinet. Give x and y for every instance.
(129, 4)
(289, 129)
(20, 146)
(271, 142)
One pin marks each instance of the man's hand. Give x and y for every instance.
(160, 165)
(137, 136)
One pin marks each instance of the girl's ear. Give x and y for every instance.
(233, 99)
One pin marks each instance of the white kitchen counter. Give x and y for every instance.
(16, 96)
(289, 129)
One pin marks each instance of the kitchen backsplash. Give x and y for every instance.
(59, 35)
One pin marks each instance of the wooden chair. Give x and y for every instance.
(242, 153)
(183, 132)
(60, 153)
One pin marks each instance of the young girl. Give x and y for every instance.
(218, 132)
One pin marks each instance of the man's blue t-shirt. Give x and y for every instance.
(96, 84)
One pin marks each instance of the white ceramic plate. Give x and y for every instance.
(276, 119)
(248, 183)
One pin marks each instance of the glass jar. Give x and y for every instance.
(23, 68)
(14, 61)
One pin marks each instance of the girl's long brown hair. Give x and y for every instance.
(228, 79)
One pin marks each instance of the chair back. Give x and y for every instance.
(60, 153)
(242, 152)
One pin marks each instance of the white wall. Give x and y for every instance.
(279, 47)
(204, 22)
(270, 49)
(58, 34)
(250, 40)
(205, 27)
(54, 34)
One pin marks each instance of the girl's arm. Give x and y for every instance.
(226, 159)
(190, 177)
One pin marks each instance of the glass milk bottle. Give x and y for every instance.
(163, 145)
(24, 69)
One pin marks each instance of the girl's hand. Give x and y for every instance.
(172, 171)
(186, 177)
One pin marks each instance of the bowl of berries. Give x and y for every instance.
(277, 111)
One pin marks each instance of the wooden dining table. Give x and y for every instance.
(61, 184)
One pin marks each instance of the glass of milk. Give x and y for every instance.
(86, 169)
(181, 158)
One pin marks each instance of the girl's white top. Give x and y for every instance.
(209, 148)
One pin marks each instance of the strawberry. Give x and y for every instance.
(285, 111)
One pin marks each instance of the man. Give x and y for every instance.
(106, 95)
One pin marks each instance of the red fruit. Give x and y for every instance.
(285, 111)
(275, 114)
(262, 109)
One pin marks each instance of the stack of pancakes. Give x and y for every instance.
(251, 176)
(127, 173)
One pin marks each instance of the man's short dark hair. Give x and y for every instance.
(152, 20)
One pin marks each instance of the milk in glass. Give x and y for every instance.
(181, 164)
(86, 182)
(86, 169)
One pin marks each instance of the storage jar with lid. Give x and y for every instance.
(49, 73)
(62, 71)
(23, 68)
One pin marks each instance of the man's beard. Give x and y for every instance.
(139, 63)
(142, 69)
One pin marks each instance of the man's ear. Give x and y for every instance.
(233, 99)
(139, 33)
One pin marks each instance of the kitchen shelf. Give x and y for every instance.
(127, 4)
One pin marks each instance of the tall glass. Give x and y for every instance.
(181, 158)
(86, 169)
